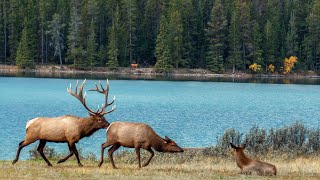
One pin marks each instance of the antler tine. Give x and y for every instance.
(80, 96)
(113, 108)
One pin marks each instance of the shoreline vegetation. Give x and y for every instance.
(293, 149)
(56, 70)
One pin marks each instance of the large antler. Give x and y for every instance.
(105, 92)
(80, 96)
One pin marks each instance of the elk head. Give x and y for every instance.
(237, 149)
(96, 116)
(171, 146)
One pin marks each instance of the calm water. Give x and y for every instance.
(190, 112)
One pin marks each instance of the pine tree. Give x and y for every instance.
(15, 20)
(292, 36)
(311, 42)
(75, 48)
(270, 43)
(150, 28)
(234, 58)
(131, 6)
(24, 58)
(175, 33)
(162, 47)
(112, 49)
(56, 28)
(257, 45)
(31, 14)
(245, 33)
(216, 36)
(92, 46)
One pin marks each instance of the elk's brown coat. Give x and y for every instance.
(67, 128)
(248, 165)
(136, 135)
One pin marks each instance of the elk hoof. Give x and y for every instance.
(60, 161)
(50, 165)
(80, 165)
(99, 165)
(13, 162)
(114, 167)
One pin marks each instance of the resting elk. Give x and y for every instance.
(136, 135)
(69, 129)
(248, 165)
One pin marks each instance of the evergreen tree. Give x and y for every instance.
(56, 31)
(112, 49)
(234, 58)
(216, 36)
(311, 42)
(150, 30)
(257, 44)
(162, 48)
(175, 34)
(75, 48)
(92, 46)
(24, 58)
(245, 33)
(131, 6)
(15, 22)
(31, 14)
(269, 48)
(2, 31)
(292, 36)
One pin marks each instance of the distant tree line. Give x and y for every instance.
(218, 35)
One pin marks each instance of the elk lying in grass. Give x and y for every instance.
(136, 135)
(248, 165)
(69, 129)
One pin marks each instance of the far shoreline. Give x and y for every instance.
(65, 71)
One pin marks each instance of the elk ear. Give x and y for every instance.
(233, 146)
(244, 146)
(167, 139)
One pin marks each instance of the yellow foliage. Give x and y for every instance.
(271, 68)
(288, 64)
(255, 67)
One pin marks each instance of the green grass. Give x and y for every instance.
(188, 165)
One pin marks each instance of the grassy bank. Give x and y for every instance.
(293, 149)
(162, 167)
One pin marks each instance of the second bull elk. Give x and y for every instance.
(69, 129)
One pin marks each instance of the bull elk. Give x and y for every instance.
(136, 135)
(248, 165)
(67, 128)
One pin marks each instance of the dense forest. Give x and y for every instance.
(218, 35)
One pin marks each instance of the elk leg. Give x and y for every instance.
(75, 151)
(103, 146)
(64, 159)
(40, 150)
(152, 154)
(22, 144)
(110, 153)
(138, 155)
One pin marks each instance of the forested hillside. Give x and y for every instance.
(218, 35)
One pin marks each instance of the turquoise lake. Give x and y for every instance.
(192, 113)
